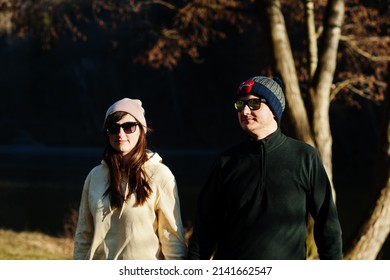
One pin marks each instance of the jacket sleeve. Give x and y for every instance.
(206, 227)
(327, 229)
(84, 228)
(170, 226)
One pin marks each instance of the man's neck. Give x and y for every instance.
(265, 132)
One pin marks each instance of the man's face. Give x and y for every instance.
(256, 122)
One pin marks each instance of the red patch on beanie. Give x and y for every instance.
(245, 87)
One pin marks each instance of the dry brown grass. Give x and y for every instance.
(33, 246)
(28, 245)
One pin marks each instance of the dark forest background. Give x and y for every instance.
(53, 102)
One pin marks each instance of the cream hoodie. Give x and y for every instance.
(151, 231)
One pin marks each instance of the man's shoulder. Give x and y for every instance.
(296, 146)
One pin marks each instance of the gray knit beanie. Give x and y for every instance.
(269, 89)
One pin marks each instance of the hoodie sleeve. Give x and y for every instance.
(84, 229)
(170, 226)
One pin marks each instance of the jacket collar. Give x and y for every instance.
(270, 142)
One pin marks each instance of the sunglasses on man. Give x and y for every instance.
(253, 104)
(128, 127)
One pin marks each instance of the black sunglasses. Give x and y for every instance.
(253, 104)
(128, 127)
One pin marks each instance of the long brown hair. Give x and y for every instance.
(137, 178)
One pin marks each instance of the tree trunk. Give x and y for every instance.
(377, 228)
(286, 68)
(311, 37)
(5, 17)
(320, 96)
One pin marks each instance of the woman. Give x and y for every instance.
(129, 207)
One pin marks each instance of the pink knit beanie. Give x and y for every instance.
(131, 106)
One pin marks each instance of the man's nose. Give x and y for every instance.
(246, 110)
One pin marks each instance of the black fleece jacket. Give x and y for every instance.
(256, 202)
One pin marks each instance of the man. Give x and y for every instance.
(258, 196)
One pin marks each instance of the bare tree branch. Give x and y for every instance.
(352, 43)
(311, 37)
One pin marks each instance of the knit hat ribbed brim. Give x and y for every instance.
(269, 89)
(131, 106)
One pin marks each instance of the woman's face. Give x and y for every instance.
(124, 142)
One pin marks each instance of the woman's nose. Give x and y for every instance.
(121, 132)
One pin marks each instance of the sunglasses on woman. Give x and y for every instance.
(253, 104)
(128, 127)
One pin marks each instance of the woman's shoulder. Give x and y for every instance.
(156, 167)
(97, 177)
(100, 169)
